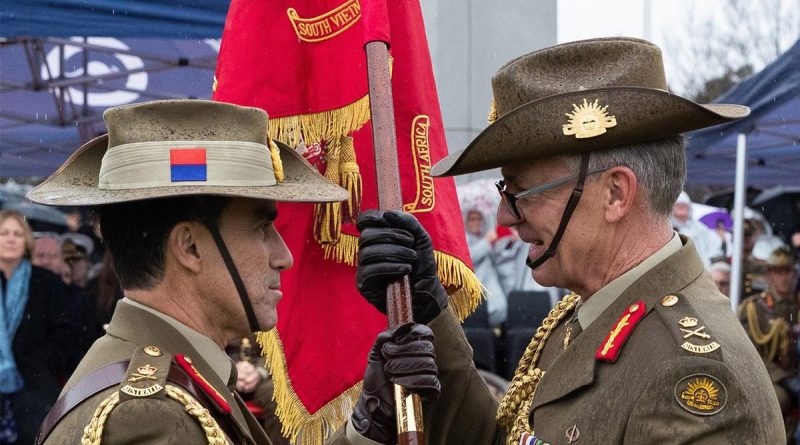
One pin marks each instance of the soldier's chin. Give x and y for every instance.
(267, 318)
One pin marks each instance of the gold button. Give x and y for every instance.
(669, 300)
(152, 351)
(634, 307)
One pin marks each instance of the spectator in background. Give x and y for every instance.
(34, 334)
(75, 249)
(707, 243)
(255, 385)
(510, 254)
(47, 251)
(104, 291)
(753, 269)
(480, 236)
(770, 319)
(721, 274)
(725, 237)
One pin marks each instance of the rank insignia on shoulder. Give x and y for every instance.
(530, 439)
(146, 375)
(186, 364)
(612, 345)
(701, 394)
(690, 329)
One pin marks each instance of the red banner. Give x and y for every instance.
(303, 62)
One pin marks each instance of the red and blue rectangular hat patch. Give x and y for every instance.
(187, 164)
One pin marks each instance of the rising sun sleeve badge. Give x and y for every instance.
(701, 394)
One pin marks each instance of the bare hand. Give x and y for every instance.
(249, 378)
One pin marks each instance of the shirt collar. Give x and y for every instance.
(215, 356)
(602, 299)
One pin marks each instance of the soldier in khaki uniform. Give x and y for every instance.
(186, 193)
(645, 350)
(771, 320)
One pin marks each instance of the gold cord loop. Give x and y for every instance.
(513, 411)
(93, 432)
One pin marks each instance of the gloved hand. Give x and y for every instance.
(393, 244)
(404, 356)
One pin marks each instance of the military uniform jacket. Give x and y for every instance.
(665, 387)
(146, 412)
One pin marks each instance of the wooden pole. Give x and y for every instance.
(398, 295)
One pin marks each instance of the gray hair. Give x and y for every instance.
(659, 166)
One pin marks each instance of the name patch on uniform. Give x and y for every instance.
(701, 394)
(187, 164)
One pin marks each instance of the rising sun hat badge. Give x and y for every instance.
(588, 120)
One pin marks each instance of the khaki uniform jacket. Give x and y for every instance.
(155, 419)
(644, 397)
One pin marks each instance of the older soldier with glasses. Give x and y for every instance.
(645, 349)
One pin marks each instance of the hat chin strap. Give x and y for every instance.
(574, 199)
(234, 272)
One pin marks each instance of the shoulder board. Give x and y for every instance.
(687, 328)
(612, 345)
(214, 396)
(146, 375)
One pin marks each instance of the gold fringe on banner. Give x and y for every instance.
(332, 128)
(463, 286)
(300, 426)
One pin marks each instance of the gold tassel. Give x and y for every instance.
(492, 113)
(328, 215)
(300, 426)
(277, 165)
(350, 179)
(332, 127)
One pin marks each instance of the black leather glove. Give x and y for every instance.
(403, 356)
(393, 244)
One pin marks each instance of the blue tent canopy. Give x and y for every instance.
(176, 19)
(772, 130)
(54, 87)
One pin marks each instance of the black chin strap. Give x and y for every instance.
(234, 273)
(574, 199)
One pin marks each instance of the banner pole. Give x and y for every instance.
(398, 295)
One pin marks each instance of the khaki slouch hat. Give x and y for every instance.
(184, 147)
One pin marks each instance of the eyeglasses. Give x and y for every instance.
(511, 198)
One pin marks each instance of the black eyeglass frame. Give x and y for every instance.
(511, 199)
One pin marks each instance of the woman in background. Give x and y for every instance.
(34, 334)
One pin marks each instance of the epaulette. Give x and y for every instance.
(611, 346)
(147, 374)
(686, 327)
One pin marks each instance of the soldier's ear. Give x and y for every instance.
(620, 187)
(183, 245)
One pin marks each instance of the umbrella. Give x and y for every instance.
(710, 215)
(37, 212)
(781, 207)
